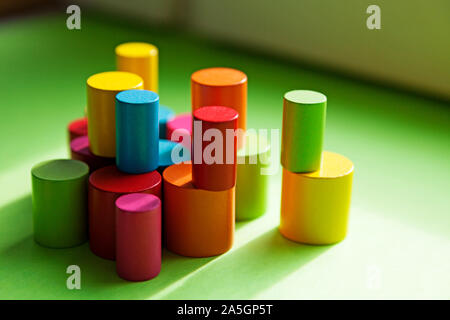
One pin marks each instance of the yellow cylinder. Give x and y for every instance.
(140, 58)
(101, 108)
(315, 205)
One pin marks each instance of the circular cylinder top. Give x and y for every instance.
(305, 97)
(78, 126)
(60, 170)
(114, 81)
(136, 50)
(137, 97)
(179, 175)
(80, 145)
(110, 179)
(333, 165)
(219, 77)
(182, 121)
(138, 202)
(216, 114)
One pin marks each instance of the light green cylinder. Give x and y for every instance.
(251, 182)
(59, 194)
(303, 130)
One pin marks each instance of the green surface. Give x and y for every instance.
(399, 235)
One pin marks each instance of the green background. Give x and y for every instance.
(398, 244)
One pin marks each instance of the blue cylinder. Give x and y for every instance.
(165, 114)
(137, 131)
(170, 153)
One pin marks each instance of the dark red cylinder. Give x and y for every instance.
(214, 146)
(138, 236)
(105, 186)
(79, 150)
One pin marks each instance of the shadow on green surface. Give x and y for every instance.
(250, 269)
(30, 271)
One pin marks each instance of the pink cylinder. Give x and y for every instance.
(138, 236)
(179, 129)
(79, 150)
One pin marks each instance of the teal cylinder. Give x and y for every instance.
(137, 131)
(251, 179)
(171, 152)
(165, 114)
(59, 196)
(303, 130)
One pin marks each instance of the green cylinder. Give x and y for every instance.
(303, 130)
(59, 193)
(252, 181)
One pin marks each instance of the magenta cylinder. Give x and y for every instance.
(138, 236)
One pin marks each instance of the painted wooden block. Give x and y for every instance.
(303, 130)
(179, 129)
(77, 128)
(197, 223)
(59, 193)
(315, 206)
(105, 186)
(102, 89)
(214, 148)
(252, 181)
(137, 131)
(79, 150)
(220, 87)
(140, 58)
(165, 114)
(138, 236)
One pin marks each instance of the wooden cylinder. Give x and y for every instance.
(101, 93)
(220, 87)
(303, 130)
(79, 150)
(252, 184)
(138, 236)
(140, 58)
(179, 129)
(77, 128)
(137, 131)
(165, 114)
(105, 186)
(197, 223)
(59, 197)
(171, 152)
(315, 206)
(214, 147)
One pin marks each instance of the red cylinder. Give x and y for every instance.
(138, 236)
(105, 186)
(77, 128)
(79, 150)
(214, 148)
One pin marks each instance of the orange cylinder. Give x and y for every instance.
(197, 222)
(221, 87)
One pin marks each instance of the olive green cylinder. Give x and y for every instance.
(59, 195)
(252, 177)
(303, 130)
